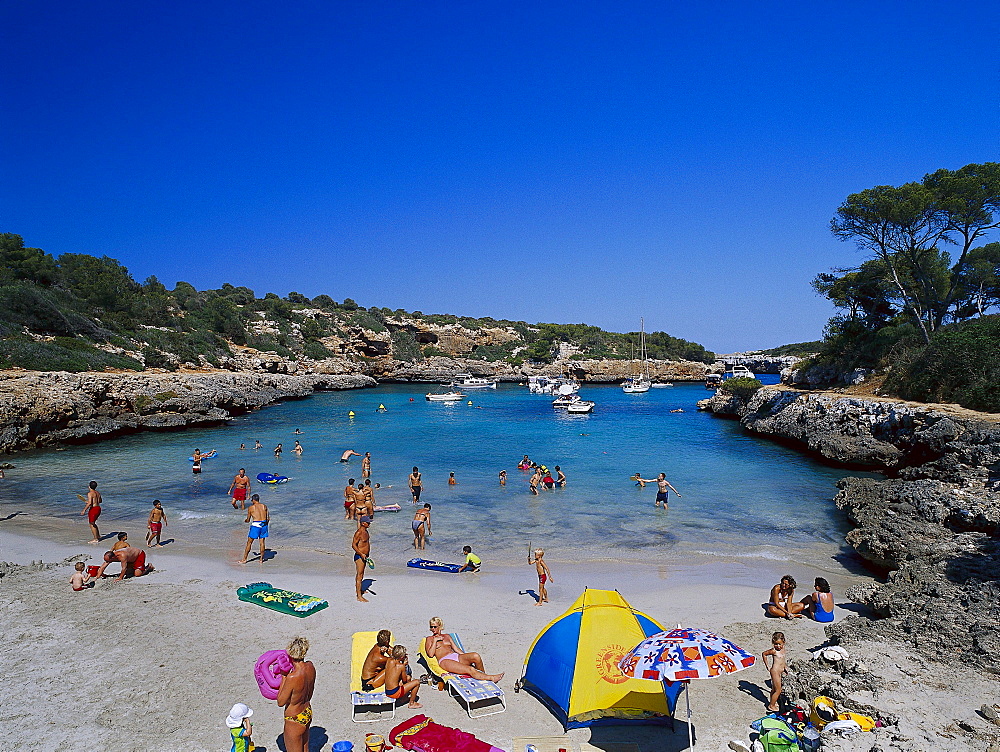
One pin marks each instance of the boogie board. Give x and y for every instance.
(271, 478)
(283, 601)
(434, 566)
(389, 508)
(210, 456)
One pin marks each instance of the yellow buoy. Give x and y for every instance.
(381, 407)
(350, 414)
(469, 402)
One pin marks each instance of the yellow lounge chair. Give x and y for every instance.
(361, 643)
(465, 689)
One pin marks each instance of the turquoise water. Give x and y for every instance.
(742, 496)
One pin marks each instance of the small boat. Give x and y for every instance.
(712, 380)
(580, 407)
(739, 372)
(664, 385)
(642, 383)
(445, 397)
(468, 381)
(565, 400)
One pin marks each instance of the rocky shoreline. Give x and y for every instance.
(930, 527)
(48, 409)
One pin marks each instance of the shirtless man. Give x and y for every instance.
(366, 465)
(782, 602)
(349, 500)
(258, 517)
(440, 646)
(346, 456)
(416, 484)
(421, 527)
(560, 478)
(397, 678)
(294, 695)
(239, 488)
(362, 545)
(133, 561)
(536, 478)
(93, 511)
(662, 484)
(157, 519)
(373, 669)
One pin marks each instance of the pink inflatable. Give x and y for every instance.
(268, 671)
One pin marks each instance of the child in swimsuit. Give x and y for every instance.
(80, 579)
(776, 669)
(240, 728)
(544, 574)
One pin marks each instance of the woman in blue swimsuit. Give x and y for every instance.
(819, 603)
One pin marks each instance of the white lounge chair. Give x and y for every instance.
(463, 688)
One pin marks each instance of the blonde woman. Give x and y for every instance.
(439, 645)
(295, 694)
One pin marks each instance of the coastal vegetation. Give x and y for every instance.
(80, 312)
(917, 308)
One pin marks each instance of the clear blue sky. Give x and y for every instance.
(557, 161)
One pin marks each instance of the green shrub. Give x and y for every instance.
(430, 351)
(961, 364)
(50, 356)
(741, 388)
(315, 350)
(405, 347)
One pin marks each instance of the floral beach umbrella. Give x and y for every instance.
(683, 654)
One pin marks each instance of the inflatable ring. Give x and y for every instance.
(268, 671)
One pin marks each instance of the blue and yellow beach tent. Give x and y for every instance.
(572, 666)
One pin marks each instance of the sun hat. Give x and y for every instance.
(237, 714)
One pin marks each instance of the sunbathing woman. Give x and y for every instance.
(783, 602)
(441, 647)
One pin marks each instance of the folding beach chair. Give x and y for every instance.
(361, 643)
(485, 695)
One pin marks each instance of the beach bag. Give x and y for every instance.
(823, 712)
(866, 723)
(776, 735)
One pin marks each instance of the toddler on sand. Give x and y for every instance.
(240, 728)
(777, 668)
(544, 574)
(80, 579)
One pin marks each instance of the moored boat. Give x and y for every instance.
(580, 406)
(445, 397)
(468, 381)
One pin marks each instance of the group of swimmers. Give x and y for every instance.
(540, 477)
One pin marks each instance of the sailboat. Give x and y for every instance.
(641, 383)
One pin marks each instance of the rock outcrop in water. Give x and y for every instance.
(44, 409)
(932, 528)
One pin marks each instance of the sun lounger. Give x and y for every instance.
(361, 643)
(465, 689)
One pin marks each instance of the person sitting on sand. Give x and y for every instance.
(782, 602)
(440, 646)
(397, 678)
(776, 669)
(373, 669)
(80, 579)
(819, 603)
(133, 561)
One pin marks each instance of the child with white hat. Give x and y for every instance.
(240, 728)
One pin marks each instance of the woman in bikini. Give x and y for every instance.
(439, 645)
(295, 694)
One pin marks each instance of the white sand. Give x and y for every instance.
(158, 661)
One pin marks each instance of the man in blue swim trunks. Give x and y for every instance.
(662, 484)
(258, 517)
(362, 545)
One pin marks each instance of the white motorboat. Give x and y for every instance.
(641, 383)
(445, 397)
(552, 385)
(664, 385)
(565, 400)
(739, 372)
(468, 381)
(580, 407)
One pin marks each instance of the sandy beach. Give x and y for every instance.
(158, 661)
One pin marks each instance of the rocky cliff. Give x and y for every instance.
(43, 409)
(931, 528)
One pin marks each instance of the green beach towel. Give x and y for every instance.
(283, 601)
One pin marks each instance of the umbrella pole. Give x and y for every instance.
(687, 699)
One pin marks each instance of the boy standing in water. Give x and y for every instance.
(777, 668)
(544, 574)
(157, 519)
(662, 484)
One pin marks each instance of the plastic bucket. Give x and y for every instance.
(93, 570)
(342, 747)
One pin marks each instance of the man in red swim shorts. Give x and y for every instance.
(93, 510)
(132, 559)
(240, 488)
